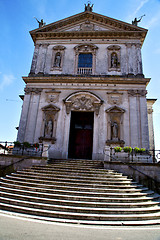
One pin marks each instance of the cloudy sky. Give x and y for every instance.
(16, 47)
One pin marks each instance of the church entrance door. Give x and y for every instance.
(81, 135)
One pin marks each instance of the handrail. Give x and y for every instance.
(5, 167)
(146, 175)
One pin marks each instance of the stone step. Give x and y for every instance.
(70, 175)
(76, 192)
(66, 202)
(42, 188)
(62, 180)
(70, 184)
(78, 195)
(71, 171)
(80, 216)
(72, 178)
(75, 209)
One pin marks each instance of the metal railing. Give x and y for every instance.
(8, 147)
(142, 177)
(84, 71)
(150, 156)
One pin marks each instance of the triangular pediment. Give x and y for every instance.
(87, 22)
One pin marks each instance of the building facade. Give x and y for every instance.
(86, 89)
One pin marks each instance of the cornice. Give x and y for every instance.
(92, 34)
(87, 80)
(56, 29)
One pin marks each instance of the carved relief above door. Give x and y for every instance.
(83, 101)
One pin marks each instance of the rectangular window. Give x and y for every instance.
(85, 63)
(85, 60)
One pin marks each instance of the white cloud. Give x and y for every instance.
(153, 21)
(134, 14)
(6, 80)
(140, 6)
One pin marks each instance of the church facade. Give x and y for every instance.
(86, 89)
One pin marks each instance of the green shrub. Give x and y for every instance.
(139, 150)
(17, 144)
(26, 144)
(127, 149)
(117, 149)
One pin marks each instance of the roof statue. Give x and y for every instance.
(135, 21)
(41, 23)
(88, 7)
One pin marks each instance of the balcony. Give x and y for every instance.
(84, 71)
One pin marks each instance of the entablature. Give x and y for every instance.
(87, 79)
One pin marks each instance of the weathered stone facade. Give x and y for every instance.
(111, 86)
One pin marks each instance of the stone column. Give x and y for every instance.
(134, 126)
(150, 103)
(34, 60)
(32, 115)
(41, 58)
(139, 59)
(129, 57)
(144, 119)
(24, 116)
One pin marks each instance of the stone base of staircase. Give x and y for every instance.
(78, 192)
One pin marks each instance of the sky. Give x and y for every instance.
(16, 48)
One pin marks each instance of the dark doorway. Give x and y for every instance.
(81, 135)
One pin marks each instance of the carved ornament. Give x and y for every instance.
(83, 101)
(114, 98)
(33, 91)
(84, 48)
(52, 96)
(87, 26)
(134, 93)
(59, 47)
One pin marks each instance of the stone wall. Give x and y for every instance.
(10, 163)
(147, 174)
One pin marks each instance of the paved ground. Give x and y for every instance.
(12, 228)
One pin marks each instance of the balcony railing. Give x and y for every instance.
(84, 71)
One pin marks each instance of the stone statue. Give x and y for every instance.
(57, 60)
(88, 7)
(114, 60)
(48, 128)
(135, 21)
(41, 23)
(114, 130)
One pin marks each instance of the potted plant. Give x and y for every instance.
(26, 144)
(127, 149)
(117, 149)
(17, 144)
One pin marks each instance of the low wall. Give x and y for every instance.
(12, 163)
(147, 174)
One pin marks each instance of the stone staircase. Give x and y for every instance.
(77, 191)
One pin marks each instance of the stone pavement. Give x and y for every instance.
(14, 228)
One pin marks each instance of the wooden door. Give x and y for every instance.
(81, 135)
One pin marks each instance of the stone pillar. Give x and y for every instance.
(150, 103)
(24, 116)
(32, 114)
(107, 153)
(41, 58)
(34, 60)
(144, 121)
(139, 59)
(134, 127)
(130, 58)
